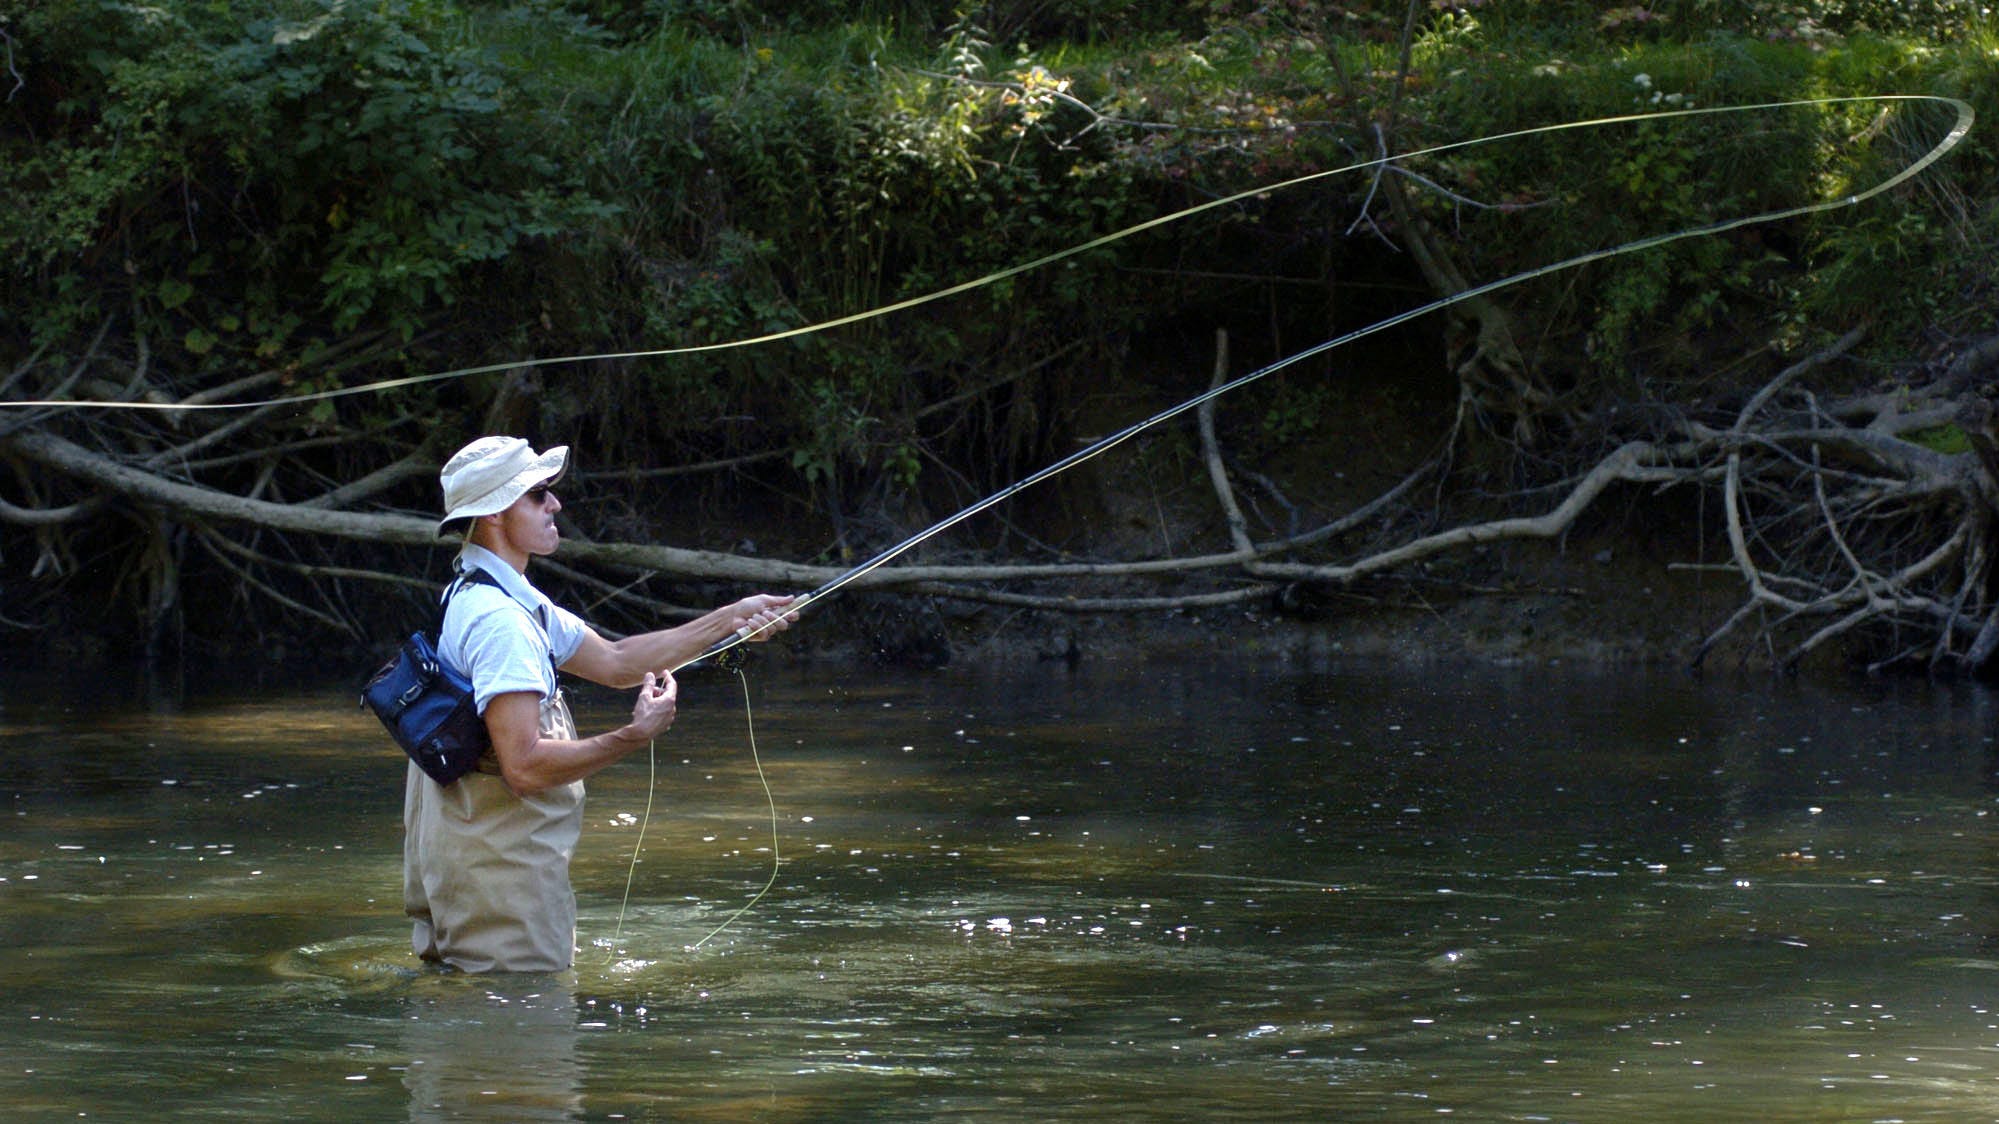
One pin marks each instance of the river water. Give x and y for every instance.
(1144, 891)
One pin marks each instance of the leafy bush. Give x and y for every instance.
(243, 178)
(344, 165)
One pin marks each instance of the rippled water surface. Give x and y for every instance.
(1128, 892)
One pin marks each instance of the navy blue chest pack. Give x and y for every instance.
(427, 705)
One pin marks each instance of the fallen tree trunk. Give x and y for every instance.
(1848, 522)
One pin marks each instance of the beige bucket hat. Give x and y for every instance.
(489, 474)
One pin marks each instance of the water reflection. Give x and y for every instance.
(1209, 892)
(501, 1048)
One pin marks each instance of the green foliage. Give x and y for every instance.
(1571, 23)
(1950, 440)
(401, 151)
(549, 177)
(1609, 185)
(354, 165)
(232, 186)
(1815, 20)
(804, 180)
(1297, 412)
(1873, 266)
(919, 20)
(898, 182)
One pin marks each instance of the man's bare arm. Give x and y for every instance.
(531, 763)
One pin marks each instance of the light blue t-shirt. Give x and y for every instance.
(502, 638)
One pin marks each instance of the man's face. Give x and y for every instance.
(530, 522)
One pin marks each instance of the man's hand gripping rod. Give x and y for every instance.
(728, 652)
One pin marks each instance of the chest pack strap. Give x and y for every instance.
(477, 576)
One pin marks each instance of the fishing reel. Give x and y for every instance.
(732, 659)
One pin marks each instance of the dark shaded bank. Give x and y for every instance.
(1604, 604)
(1639, 582)
(1591, 605)
(223, 208)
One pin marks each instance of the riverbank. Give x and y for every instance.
(1590, 605)
(1568, 614)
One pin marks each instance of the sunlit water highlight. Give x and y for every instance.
(1128, 892)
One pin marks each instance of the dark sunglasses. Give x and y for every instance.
(538, 493)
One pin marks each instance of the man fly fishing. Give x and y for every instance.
(486, 858)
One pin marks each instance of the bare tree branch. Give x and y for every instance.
(224, 551)
(1231, 511)
(383, 478)
(1847, 531)
(19, 82)
(48, 516)
(1630, 463)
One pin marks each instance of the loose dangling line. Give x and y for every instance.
(652, 774)
(652, 785)
(749, 721)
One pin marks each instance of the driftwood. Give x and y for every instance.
(1863, 519)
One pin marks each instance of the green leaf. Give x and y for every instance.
(1946, 439)
(174, 292)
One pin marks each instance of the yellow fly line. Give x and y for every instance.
(652, 781)
(1950, 140)
(1957, 132)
